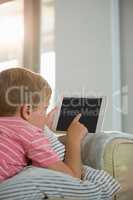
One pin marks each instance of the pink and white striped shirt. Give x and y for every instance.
(21, 142)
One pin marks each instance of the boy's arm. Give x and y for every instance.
(73, 156)
(72, 153)
(76, 132)
(60, 166)
(72, 164)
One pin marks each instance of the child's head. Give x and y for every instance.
(24, 93)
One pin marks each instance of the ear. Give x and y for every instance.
(26, 111)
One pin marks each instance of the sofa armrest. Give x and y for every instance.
(118, 161)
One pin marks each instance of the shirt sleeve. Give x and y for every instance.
(40, 151)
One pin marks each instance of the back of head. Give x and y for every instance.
(20, 86)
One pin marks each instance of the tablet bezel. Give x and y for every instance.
(100, 118)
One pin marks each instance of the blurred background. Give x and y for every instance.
(82, 47)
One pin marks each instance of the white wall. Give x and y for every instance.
(83, 49)
(126, 24)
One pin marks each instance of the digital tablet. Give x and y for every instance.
(92, 113)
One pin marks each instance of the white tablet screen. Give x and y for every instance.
(88, 107)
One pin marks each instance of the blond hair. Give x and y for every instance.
(20, 86)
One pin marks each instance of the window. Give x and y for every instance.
(47, 68)
(11, 34)
(16, 47)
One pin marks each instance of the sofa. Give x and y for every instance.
(113, 152)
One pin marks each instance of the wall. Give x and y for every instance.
(126, 24)
(83, 49)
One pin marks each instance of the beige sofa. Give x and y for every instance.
(117, 159)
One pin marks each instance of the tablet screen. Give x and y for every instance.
(88, 107)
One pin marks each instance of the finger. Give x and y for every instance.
(76, 119)
(53, 111)
(62, 97)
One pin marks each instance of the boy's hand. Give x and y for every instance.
(50, 117)
(76, 130)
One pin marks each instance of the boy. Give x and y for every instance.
(24, 98)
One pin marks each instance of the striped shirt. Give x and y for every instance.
(21, 142)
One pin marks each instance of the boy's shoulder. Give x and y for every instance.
(17, 123)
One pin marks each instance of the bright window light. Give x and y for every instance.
(8, 64)
(48, 67)
(11, 31)
(11, 34)
(48, 71)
